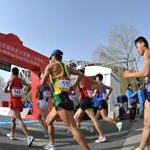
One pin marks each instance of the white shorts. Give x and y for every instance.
(42, 104)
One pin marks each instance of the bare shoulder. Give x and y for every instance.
(49, 67)
(147, 54)
(146, 57)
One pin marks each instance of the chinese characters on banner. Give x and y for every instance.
(23, 56)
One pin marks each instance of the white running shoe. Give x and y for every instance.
(49, 147)
(10, 136)
(100, 139)
(119, 126)
(30, 140)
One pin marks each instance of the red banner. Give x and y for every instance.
(12, 51)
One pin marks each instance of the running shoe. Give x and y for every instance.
(30, 140)
(49, 147)
(100, 139)
(10, 136)
(119, 126)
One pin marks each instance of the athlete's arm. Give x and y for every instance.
(110, 91)
(6, 88)
(144, 72)
(47, 72)
(80, 76)
(95, 92)
(9, 84)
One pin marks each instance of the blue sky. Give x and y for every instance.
(77, 27)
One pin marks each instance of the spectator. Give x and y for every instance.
(141, 97)
(132, 104)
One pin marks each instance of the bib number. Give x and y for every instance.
(47, 94)
(16, 92)
(72, 97)
(64, 85)
(102, 96)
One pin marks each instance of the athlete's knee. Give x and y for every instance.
(48, 122)
(13, 120)
(73, 127)
(76, 117)
(20, 122)
(72, 124)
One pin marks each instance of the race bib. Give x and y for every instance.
(64, 85)
(47, 94)
(16, 92)
(72, 97)
(90, 93)
(102, 95)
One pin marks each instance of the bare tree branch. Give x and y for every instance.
(121, 47)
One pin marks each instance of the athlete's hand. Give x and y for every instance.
(126, 74)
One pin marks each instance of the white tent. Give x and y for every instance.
(109, 78)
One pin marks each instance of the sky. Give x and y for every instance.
(78, 27)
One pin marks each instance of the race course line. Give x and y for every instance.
(8, 122)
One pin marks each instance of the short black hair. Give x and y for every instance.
(58, 57)
(15, 71)
(142, 39)
(100, 76)
(82, 70)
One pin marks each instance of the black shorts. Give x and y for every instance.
(62, 100)
(148, 96)
(103, 105)
(85, 103)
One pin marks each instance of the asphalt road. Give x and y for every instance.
(63, 139)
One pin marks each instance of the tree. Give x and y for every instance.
(2, 85)
(120, 48)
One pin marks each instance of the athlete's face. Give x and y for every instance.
(140, 47)
(53, 59)
(98, 80)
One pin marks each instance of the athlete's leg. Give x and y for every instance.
(97, 114)
(93, 118)
(103, 113)
(53, 115)
(146, 129)
(22, 125)
(78, 116)
(42, 117)
(13, 125)
(67, 117)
